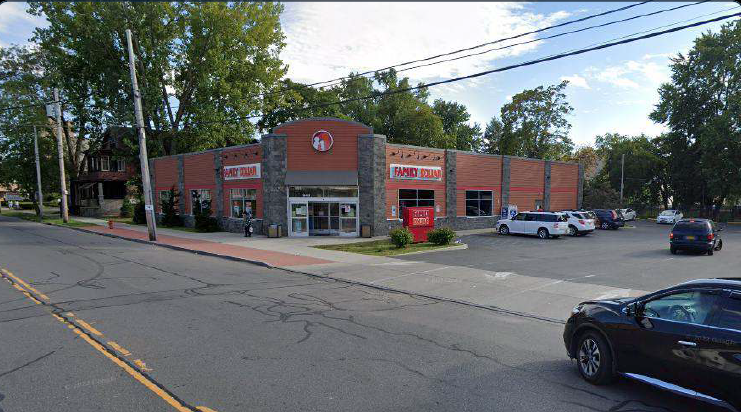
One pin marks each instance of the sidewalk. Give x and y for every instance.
(544, 298)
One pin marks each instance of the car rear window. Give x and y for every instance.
(692, 227)
(578, 215)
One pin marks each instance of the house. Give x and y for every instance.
(101, 187)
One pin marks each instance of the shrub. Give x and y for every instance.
(127, 208)
(140, 215)
(401, 237)
(202, 215)
(170, 216)
(441, 236)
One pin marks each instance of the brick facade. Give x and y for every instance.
(356, 150)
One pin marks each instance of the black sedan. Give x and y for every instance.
(685, 339)
(699, 235)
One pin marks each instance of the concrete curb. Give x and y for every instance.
(442, 249)
(336, 279)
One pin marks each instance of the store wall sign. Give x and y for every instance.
(411, 172)
(238, 172)
(322, 141)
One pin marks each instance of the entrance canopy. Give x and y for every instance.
(322, 177)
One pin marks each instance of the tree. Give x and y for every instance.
(455, 118)
(533, 125)
(701, 106)
(589, 158)
(22, 86)
(198, 64)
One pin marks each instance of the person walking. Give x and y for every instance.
(248, 223)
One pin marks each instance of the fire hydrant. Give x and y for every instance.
(110, 224)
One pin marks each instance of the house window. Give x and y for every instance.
(242, 200)
(93, 164)
(105, 163)
(164, 196)
(118, 165)
(479, 202)
(199, 197)
(416, 198)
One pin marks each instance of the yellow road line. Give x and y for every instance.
(118, 348)
(89, 327)
(148, 383)
(26, 285)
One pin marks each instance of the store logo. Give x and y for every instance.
(322, 141)
(238, 172)
(415, 172)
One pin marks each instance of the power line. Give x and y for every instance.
(502, 69)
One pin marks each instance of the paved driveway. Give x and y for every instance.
(631, 258)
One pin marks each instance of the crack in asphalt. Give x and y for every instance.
(29, 363)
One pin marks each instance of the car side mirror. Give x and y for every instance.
(631, 310)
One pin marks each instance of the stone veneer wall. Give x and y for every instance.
(275, 198)
(371, 182)
(547, 190)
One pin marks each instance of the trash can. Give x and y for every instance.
(273, 230)
(365, 230)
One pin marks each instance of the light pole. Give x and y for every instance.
(622, 177)
(38, 172)
(60, 154)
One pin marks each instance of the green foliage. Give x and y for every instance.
(168, 204)
(401, 237)
(534, 124)
(202, 215)
(140, 214)
(455, 118)
(127, 208)
(441, 236)
(599, 195)
(701, 106)
(216, 58)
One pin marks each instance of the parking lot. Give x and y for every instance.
(634, 257)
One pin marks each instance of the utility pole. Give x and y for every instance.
(38, 172)
(622, 176)
(148, 208)
(60, 153)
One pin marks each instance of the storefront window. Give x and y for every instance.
(200, 197)
(322, 191)
(479, 202)
(243, 200)
(416, 198)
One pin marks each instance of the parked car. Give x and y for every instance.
(608, 219)
(628, 214)
(701, 235)
(686, 339)
(669, 216)
(579, 223)
(543, 224)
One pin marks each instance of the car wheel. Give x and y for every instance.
(503, 230)
(594, 359)
(605, 226)
(572, 231)
(710, 252)
(673, 250)
(543, 233)
(720, 245)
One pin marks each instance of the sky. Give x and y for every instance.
(611, 90)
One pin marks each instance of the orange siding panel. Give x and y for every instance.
(478, 172)
(419, 157)
(342, 156)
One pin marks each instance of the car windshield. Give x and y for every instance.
(667, 213)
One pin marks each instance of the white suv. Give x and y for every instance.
(579, 223)
(628, 214)
(669, 216)
(543, 224)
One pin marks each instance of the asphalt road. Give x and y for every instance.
(123, 326)
(632, 258)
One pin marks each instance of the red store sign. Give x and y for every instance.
(248, 171)
(416, 172)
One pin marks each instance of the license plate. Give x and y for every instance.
(689, 237)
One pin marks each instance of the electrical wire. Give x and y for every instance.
(501, 69)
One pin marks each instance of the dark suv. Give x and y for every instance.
(608, 219)
(685, 339)
(700, 235)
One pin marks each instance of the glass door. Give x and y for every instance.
(348, 219)
(299, 225)
(319, 219)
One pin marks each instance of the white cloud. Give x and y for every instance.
(329, 40)
(631, 75)
(576, 81)
(16, 26)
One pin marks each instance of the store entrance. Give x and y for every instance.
(324, 218)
